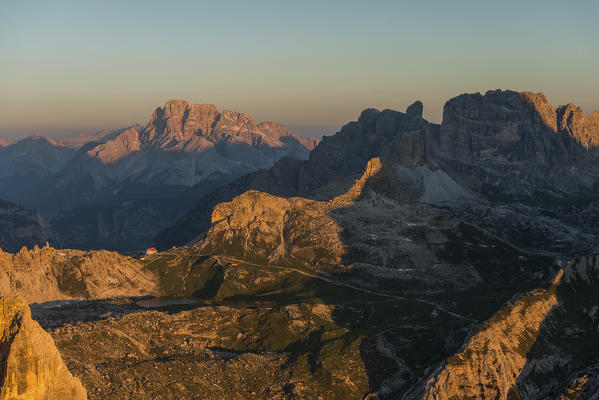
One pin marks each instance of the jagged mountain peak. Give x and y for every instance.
(179, 125)
(415, 109)
(178, 121)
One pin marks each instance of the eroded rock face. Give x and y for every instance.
(125, 143)
(192, 128)
(491, 362)
(562, 363)
(31, 367)
(515, 127)
(45, 274)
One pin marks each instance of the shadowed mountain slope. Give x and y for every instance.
(502, 148)
(22, 227)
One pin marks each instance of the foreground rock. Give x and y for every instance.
(32, 368)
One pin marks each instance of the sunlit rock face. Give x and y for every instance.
(46, 274)
(31, 367)
(196, 140)
(494, 357)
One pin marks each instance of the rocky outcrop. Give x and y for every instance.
(273, 229)
(22, 227)
(31, 367)
(563, 361)
(178, 121)
(276, 229)
(45, 274)
(493, 358)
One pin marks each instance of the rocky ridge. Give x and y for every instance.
(46, 274)
(78, 141)
(494, 357)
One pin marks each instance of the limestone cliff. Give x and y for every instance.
(31, 368)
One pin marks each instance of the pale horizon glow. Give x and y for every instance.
(72, 67)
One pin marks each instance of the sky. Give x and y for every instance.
(79, 66)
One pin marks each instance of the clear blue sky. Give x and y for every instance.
(71, 66)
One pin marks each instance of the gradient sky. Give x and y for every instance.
(79, 66)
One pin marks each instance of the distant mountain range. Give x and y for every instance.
(503, 152)
(401, 260)
(91, 181)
